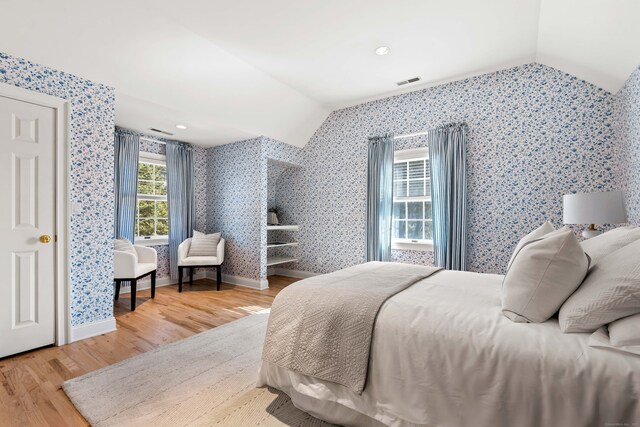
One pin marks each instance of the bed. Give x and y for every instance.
(443, 354)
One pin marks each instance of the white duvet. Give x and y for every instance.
(444, 355)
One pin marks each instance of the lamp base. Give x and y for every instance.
(591, 232)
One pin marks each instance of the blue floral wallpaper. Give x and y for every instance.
(91, 179)
(233, 204)
(627, 120)
(535, 134)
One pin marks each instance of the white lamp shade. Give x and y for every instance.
(594, 208)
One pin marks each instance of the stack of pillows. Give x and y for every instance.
(593, 285)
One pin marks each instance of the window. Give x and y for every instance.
(152, 210)
(412, 215)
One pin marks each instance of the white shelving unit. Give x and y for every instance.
(280, 259)
(280, 248)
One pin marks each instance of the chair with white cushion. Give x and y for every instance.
(206, 252)
(130, 264)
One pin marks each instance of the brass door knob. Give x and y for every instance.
(45, 238)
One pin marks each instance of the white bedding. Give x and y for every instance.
(444, 355)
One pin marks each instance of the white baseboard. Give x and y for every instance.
(163, 281)
(92, 329)
(240, 281)
(298, 274)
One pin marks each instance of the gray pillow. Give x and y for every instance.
(542, 276)
(205, 245)
(610, 292)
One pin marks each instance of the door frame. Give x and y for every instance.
(62, 276)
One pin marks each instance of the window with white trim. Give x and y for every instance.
(412, 213)
(152, 210)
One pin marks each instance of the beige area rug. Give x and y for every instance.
(205, 380)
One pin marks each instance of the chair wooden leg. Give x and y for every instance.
(153, 284)
(218, 276)
(134, 283)
(179, 279)
(191, 276)
(117, 290)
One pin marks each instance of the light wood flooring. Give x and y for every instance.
(30, 383)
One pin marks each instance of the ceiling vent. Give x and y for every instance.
(406, 82)
(164, 132)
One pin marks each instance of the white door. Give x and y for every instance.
(27, 226)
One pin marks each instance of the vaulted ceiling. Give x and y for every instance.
(231, 70)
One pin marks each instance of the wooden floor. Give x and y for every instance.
(30, 393)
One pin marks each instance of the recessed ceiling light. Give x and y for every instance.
(382, 50)
(181, 127)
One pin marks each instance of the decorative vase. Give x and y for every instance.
(272, 218)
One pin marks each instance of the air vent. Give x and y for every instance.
(164, 132)
(406, 82)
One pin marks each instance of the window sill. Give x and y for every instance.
(408, 246)
(155, 241)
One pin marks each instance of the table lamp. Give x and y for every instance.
(594, 208)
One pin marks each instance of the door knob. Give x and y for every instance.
(45, 238)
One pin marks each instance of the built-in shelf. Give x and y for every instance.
(281, 244)
(283, 227)
(275, 260)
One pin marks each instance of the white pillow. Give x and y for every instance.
(625, 331)
(600, 246)
(205, 245)
(601, 338)
(545, 228)
(610, 291)
(542, 276)
(124, 245)
(197, 233)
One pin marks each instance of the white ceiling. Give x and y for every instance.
(235, 69)
(595, 40)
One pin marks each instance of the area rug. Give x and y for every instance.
(204, 380)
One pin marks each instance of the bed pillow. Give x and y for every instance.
(600, 246)
(625, 331)
(544, 273)
(124, 245)
(602, 339)
(545, 228)
(610, 292)
(206, 245)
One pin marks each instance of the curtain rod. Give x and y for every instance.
(409, 135)
(144, 138)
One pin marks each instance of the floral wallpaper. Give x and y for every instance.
(535, 133)
(627, 134)
(233, 204)
(91, 180)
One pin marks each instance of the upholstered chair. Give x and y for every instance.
(132, 265)
(192, 262)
